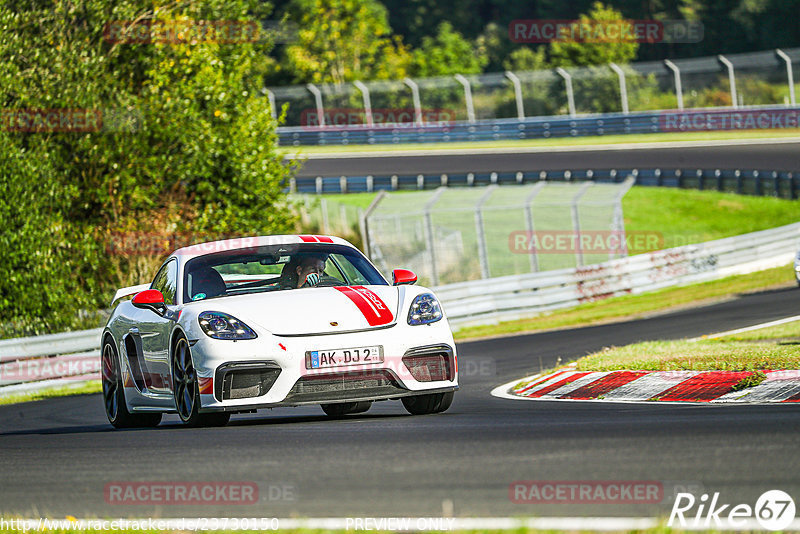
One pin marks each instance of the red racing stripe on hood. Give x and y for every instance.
(374, 310)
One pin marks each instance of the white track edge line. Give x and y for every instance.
(295, 152)
(748, 328)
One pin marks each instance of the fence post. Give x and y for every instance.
(430, 235)
(326, 227)
(576, 222)
(367, 103)
(318, 100)
(529, 223)
(570, 95)
(789, 74)
(411, 84)
(731, 78)
(467, 97)
(364, 221)
(619, 219)
(271, 100)
(677, 75)
(623, 87)
(517, 94)
(483, 252)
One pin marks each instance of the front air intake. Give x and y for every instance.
(245, 380)
(430, 364)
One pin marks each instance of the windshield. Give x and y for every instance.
(276, 268)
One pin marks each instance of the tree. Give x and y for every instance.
(343, 41)
(602, 50)
(181, 142)
(446, 53)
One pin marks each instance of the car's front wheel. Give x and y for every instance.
(114, 394)
(429, 403)
(187, 392)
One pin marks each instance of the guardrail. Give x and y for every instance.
(40, 362)
(514, 297)
(784, 184)
(29, 364)
(707, 119)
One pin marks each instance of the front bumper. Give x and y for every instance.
(270, 371)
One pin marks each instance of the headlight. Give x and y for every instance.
(223, 326)
(424, 310)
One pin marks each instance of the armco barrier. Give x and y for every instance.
(513, 297)
(759, 182)
(32, 363)
(763, 117)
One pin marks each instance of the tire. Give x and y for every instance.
(346, 408)
(114, 394)
(427, 404)
(186, 392)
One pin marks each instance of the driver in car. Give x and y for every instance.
(309, 271)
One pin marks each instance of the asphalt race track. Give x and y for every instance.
(58, 455)
(781, 156)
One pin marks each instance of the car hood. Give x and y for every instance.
(309, 311)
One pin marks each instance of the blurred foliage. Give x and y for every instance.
(186, 145)
(342, 41)
(602, 51)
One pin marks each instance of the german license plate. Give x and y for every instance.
(319, 359)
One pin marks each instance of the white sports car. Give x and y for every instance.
(237, 325)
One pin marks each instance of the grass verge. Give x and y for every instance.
(633, 306)
(85, 389)
(678, 137)
(775, 347)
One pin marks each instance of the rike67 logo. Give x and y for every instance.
(774, 510)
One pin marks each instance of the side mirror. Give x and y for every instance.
(150, 299)
(403, 277)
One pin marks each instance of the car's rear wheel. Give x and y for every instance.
(114, 394)
(430, 403)
(187, 392)
(346, 408)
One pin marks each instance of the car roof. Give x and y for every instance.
(201, 249)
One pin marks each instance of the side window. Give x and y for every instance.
(353, 275)
(166, 281)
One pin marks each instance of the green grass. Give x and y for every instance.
(83, 389)
(686, 216)
(551, 142)
(694, 356)
(521, 530)
(631, 306)
(677, 216)
(775, 347)
(786, 332)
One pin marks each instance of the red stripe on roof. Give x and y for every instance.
(308, 238)
(704, 387)
(324, 239)
(552, 387)
(605, 384)
(371, 306)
